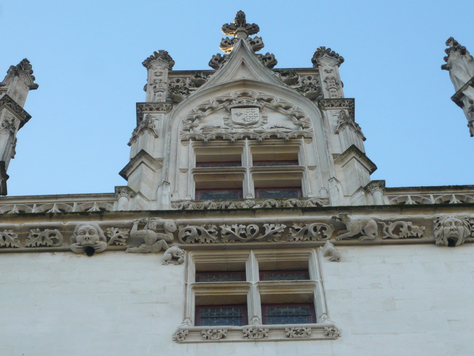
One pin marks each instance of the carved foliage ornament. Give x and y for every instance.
(159, 55)
(255, 332)
(323, 51)
(298, 332)
(49, 238)
(240, 24)
(147, 124)
(213, 334)
(250, 204)
(23, 69)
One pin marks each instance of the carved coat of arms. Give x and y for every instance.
(245, 116)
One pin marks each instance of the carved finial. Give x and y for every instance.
(25, 69)
(160, 55)
(240, 28)
(323, 51)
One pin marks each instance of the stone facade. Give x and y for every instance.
(248, 192)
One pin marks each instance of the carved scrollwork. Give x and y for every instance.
(254, 332)
(9, 239)
(118, 236)
(250, 204)
(48, 238)
(310, 232)
(402, 230)
(198, 234)
(298, 332)
(213, 334)
(251, 232)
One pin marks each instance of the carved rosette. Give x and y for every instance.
(180, 335)
(332, 332)
(255, 332)
(213, 334)
(302, 332)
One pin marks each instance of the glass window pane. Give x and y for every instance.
(220, 276)
(224, 315)
(284, 275)
(288, 314)
(275, 193)
(212, 194)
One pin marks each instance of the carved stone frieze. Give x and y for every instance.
(255, 332)
(332, 332)
(213, 334)
(310, 232)
(23, 116)
(152, 108)
(339, 103)
(180, 335)
(250, 204)
(198, 234)
(365, 228)
(322, 52)
(251, 232)
(402, 230)
(46, 238)
(452, 230)
(88, 238)
(9, 239)
(329, 250)
(298, 332)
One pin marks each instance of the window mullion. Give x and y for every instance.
(247, 163)
(253, 298)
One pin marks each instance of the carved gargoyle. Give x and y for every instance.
(88, 238)
(451, 231)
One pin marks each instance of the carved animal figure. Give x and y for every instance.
(332, 252)
(173, 252)
(366, 227)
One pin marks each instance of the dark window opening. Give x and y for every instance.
(284, 275)
(288, 314)
(275, 193)
(221, 315)
(220, 276)
(276, 163)
(219, 164)
(212, 194)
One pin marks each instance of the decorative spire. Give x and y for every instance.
(24, 68)
(160, 55)
(323, 51)
(240, 28)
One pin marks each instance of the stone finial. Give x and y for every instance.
(160, 55)
(23, 69)
(322, 52)
(240, 28)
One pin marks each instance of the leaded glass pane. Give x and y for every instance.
(219, 194)
(278, 193)
(220, 276)
(221, 316)
(284, 275)
(296, 314)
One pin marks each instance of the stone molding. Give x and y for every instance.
(354, 152)
(17, 110)
(151, 108)
(338, 103)
(141, 157)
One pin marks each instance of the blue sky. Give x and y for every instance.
(87, 60)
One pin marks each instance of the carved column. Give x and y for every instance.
(13, 92)
(377, 189)
(123, 195)
(328, 63)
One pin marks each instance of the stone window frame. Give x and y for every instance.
(255, 293)
(247, 176)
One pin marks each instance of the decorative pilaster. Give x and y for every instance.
(158, 65)
(328, 63)
(460, 65)
(376, 188)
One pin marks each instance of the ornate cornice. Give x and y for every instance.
(21, 114)
(329, 104)
(148, 108)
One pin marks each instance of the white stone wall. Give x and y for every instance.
(388, 300)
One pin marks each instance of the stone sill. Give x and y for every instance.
(258, 333)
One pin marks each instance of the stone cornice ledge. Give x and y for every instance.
(354, 152)
(257, 333)
(140, 157)
(6, 101)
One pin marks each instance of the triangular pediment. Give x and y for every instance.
(242, 64)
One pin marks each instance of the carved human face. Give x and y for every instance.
(87, 235)
(454, 231)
